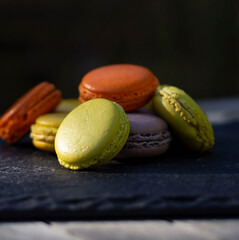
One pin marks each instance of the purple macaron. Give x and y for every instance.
(149, 136)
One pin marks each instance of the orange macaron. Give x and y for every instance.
(131, 86)
(16, 122)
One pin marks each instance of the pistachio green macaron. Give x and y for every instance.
(92, 134)
(185, 117)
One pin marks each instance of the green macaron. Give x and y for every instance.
(185, 117)
(92, 134)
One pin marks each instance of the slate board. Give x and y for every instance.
(178, 184)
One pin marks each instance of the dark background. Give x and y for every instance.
(192, 44)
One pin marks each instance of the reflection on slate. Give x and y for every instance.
(178, 184)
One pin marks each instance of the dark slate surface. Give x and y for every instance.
(178, 184)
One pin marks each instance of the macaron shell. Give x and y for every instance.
(146, 124)
(44, 106)
(143, 152)
(91, 134)
(129, 85)
(67, 105)
(185, 116)
(118, 78)
(51, 119)
(119, 140)
(44, 145)
(129, 101)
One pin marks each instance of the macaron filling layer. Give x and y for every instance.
(141, 141)
(43, 138)
(43, 130)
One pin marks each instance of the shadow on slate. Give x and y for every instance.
(178, 184)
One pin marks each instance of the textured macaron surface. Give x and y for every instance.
(185, 116)
(92, 134)
(129, 85)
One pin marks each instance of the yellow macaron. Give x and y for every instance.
(67, 105)
(44, 130)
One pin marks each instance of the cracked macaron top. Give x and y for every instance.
(184, 115)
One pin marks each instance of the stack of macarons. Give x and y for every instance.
(122, 112)
(43, 131)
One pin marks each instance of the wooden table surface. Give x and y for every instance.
(219, 111)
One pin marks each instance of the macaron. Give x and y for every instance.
(185, 117)
(149, 137)
(92, 134)
(148, 108)
(67, 105)
(44, 130)
(16, 122)
(131, 86)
